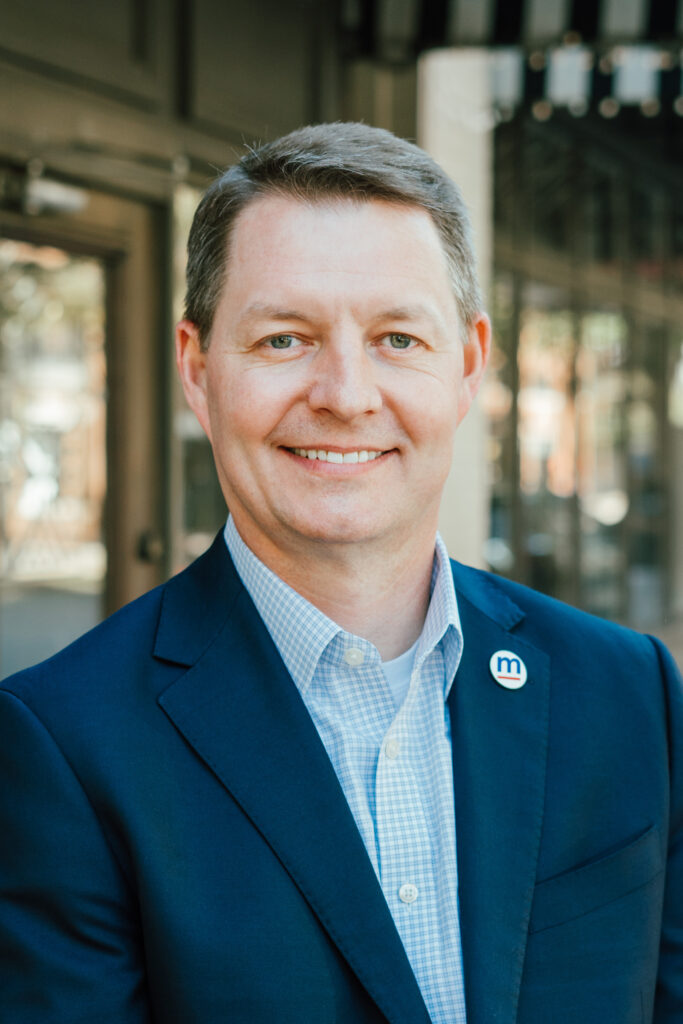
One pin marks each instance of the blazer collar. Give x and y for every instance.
(240, 710)
(500, 740)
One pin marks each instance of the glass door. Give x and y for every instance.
(84, 364)
(52, 449)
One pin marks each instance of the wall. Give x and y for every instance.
(137, 95)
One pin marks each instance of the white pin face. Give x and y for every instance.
(508, 669)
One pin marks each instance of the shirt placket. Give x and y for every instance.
(402, 833)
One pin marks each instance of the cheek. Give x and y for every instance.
(430, 415)
(246, 409)
(233, 407)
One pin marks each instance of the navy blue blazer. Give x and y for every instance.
(175, 846)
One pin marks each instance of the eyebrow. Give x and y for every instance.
(411, 314)
(264, 310)
(408, 314)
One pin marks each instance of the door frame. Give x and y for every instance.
(128, 236)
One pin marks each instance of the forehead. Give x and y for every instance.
(340, 245)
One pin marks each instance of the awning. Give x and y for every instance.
(576, 54)
(398, 30)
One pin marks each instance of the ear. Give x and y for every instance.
(191, 362)
(476, 352)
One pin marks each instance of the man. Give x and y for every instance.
(323, 775)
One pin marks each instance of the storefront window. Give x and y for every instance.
(52, 449)
(584, 400)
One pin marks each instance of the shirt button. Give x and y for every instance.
(392, 749)
(408, 892)
(354, 657)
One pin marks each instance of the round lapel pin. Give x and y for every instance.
(508, 669)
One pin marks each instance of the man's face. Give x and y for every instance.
(335, 374)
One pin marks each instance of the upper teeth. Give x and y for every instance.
(324, 456)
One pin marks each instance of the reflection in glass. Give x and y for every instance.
(586, 463)
(578, 452)
(546, 438)
(603, 494)
(52, 449)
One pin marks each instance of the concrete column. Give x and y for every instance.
(455, 125)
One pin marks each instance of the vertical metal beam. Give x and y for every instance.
(662, 19)
(584, 19)
(508, 21)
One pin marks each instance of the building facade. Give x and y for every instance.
(562, 123)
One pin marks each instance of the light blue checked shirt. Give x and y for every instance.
(394, 764)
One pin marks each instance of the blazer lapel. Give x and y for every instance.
(240, 710)
(499, 762)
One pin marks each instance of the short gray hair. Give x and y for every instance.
(324, 162)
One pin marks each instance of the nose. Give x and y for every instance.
(345, 380)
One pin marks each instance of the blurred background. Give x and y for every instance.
(562, 120)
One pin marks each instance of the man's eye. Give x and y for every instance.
(281, 341)
(400, 340)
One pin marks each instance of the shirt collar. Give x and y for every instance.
(443, 620)
(301, 632)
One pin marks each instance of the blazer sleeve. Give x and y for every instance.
(669, 994)
(70, 950)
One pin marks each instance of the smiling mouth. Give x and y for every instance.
(322, 455)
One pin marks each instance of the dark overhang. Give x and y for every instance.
(399, 30)
(576, 55)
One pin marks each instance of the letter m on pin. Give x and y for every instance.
(509, 665)
(508, 670)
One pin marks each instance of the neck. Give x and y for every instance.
(378, 595)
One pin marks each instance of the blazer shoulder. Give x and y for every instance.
(133, 652)
(575, 636)
(121, 639)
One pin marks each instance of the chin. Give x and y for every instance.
(348, 533)
(347, 528)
